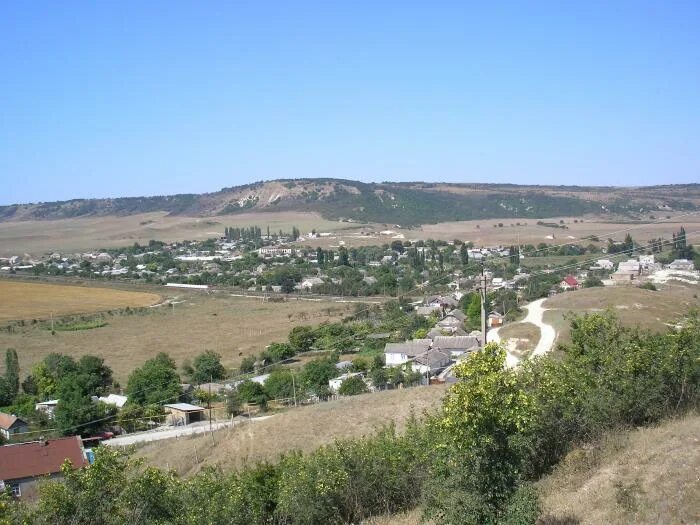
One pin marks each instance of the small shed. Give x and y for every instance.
(11, 424)
(184, 413)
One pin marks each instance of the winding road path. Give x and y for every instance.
(535, 315)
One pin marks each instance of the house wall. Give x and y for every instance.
(393, 359)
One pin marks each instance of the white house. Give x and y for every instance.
(396, 354)
(335, 383)
(682, 264)
(114, 399)
(309, 283)
(431, 361)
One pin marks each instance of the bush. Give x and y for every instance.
(648, 286)
(352, 386)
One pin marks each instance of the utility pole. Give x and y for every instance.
(209, 403)
(482, 294)
(294, 390)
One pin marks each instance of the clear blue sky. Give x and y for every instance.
(146, 98)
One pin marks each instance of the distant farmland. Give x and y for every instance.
(21, 300)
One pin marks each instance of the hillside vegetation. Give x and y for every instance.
(476, 461)
(391, 203)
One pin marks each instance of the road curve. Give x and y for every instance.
(535, 315)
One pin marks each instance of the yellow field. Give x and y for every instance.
(234, 327)
(20, 300)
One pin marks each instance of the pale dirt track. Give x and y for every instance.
(535, 314)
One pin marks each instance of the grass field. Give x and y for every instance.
(21, 300)
(634, 306)
(305, 429)
(649, 475)
(79, 234)
(232, 326)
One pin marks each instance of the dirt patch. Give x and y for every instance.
(521, 337)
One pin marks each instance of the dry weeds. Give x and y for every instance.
(305, 429)
(649, 475)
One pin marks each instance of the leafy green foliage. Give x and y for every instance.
(156, 382)
(352, 386)
(207, 367)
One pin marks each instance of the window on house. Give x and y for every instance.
(16, 490)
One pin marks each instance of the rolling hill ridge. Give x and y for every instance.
(406, 204)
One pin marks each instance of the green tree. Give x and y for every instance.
(482, 421)
(316, 374)
(301, 338)
(279, 352)
(156, 382)
(352, 386)
(252, 392)
(280, 384)
(12, 370)
(207, 367)
(592, 281)
(95, 375)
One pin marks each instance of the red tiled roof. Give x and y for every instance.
(38, 458)
(570, 280)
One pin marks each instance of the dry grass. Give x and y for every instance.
(525, 337)
(634, 306)
(90, 233)
(232, 326)
(645, 476)
(38, 237)
(411, 517)
(305, 429)
(21, 300)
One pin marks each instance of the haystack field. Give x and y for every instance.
(22, 300)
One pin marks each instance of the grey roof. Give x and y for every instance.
(410, 348)
(438, 331)
(426, 310)
(459, 314)
(450, 321)
(442, 299)
(459, 342)
(432, 358)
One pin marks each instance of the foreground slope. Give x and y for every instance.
(305, 429)
(649, 475)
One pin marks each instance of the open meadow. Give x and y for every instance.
(37, 237)
(188, 324)
(304, 429)
(91, 233)
(28, 301)
(652, 310)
